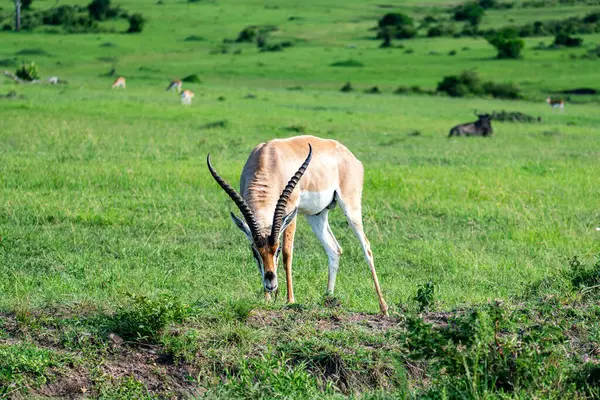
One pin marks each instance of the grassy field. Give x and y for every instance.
(111, 223)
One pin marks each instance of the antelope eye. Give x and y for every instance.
(278, 252)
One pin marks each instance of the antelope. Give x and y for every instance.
(175, 84)
(186, 97)
(556, 103)
(119, 83)
(269, 203)
(481, 127)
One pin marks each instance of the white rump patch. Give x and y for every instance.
(312, 203)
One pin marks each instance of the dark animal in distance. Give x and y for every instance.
(481, 127)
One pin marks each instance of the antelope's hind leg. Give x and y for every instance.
(288, 253)
(353, 215)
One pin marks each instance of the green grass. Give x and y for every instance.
(105, 193)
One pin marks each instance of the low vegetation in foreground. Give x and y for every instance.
(122, 277)
(543, 344)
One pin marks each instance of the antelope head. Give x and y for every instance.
(265, 248)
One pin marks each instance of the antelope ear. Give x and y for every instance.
(242, 225)
(288, 220)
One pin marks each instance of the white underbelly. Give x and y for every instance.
(312, 203)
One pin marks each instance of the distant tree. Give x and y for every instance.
(395, 25)
(136, 23)
(26, 4)
(99, 9)
(395, 19)
(507, 43)
(471, 12)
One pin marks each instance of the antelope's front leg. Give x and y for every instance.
(288, 252)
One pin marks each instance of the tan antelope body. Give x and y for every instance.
(119, 83)
(175, 84)
(187, 96)
(556, 103)
(270, 201)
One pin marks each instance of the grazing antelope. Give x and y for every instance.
(556, 103)
(119, 83)
(175, 84)
(269, 203)
(186, 97)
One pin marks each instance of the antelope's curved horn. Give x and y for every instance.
(285, 196)
(238, 200)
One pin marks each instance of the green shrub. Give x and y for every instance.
(395, 25)
(395, 19)
(507, 43)
(99, 9)
(441, 30)
(468, 83)
(347, 63)
(143, 318)
(136, 23)
(26, 4)
(193, 78)
(28, 72)
(471, 12)
(502, 90)
(563, 39)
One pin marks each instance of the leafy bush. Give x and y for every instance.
(193, 78)
(194, 38)
(347, 88)
(347, 63)
(395, 19)
(425, 296)
(145, 317)
(563, 39)
(483, 352)
(468, 83)
(253, 32)
(30, 21)
(28, 72)
(441, 30)
(26, 4)
(395, 25)
(99, 9)
(136, 23)
(471, 12)
(507, 43)
(502, 90)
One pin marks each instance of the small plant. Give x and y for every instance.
(347, 88)
(194, 38)
(193, 78)
(347, 63)
(28, 72)
(425, 296)
(136, 23)
(143, 318)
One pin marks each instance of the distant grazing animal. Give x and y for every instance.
(481, 127)
(328, 175)
(186, 97)
(119, 83)
(556, 103)
(175, 84)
